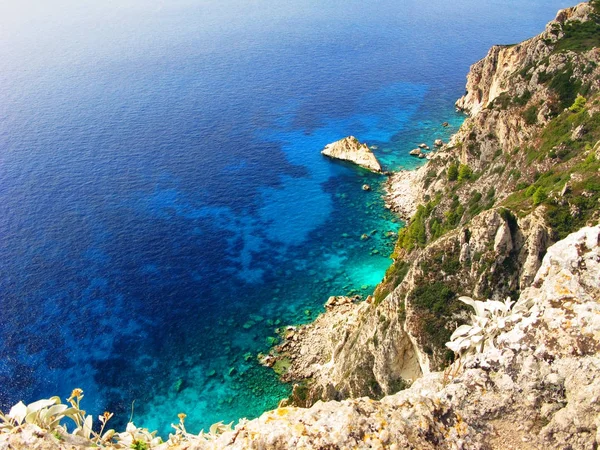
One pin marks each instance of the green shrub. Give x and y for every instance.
(530, 115)
(433, 297)
(565, 88)
(393, 277)
(578, 105)
(539, 196)
(530, 191)
(464, 172)
(139, 445)
(523, 99)
(452, 172)
(579, 36)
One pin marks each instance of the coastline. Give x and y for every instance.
(401, 194)
(306, 353)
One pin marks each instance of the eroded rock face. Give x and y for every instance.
(491, 76)
(376, 348)
(350, 149)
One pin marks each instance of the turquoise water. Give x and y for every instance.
(164, 206)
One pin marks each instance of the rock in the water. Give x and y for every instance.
(446, 124)
(366, 187)
(423, 145)
(350, 149)
(438, 143)
(415, 152)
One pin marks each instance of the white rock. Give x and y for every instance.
(350, 149)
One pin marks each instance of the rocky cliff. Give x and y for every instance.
(520, 174)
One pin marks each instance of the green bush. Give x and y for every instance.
(433, 297)
(393, 277)
(578, 105)
(579, 36)
(530, 115)
(523, 99)
(530, 191)
(565, 88)
(452, 172)
(539, 196)
(464, 172)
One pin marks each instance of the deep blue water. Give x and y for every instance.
(163, 202)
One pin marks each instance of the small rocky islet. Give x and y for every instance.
(352, 150)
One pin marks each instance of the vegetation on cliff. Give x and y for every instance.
(529, 154)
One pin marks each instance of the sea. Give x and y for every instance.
(164, 206)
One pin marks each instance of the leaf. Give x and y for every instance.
(477, 305)
(108, 435)
(476, 339)
(53, 411)
(32, 417)
(18, 412)
(87, 427)
(40, 404)
(215, 427)
(495, 306)
(460, 331)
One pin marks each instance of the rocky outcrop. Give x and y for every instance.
(380, 346)
(493, 75)
(403, 194)
(350, 149)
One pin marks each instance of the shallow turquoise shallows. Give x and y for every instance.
(164, 205)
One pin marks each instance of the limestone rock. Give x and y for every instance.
(578, 133)
(491, 76)
(350, 149)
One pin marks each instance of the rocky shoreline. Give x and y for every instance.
(398, 336)
(401, 193)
